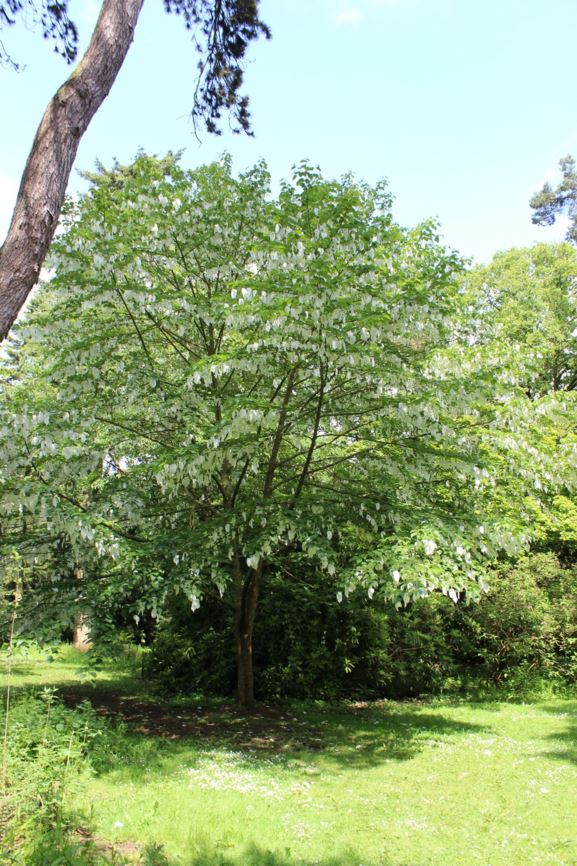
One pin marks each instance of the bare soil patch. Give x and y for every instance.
(267, 727)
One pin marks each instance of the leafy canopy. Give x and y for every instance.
(227, 377)
(523, 317)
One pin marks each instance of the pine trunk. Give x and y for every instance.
(46, 174)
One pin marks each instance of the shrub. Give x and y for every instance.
(194, 653)
(47, 754)
(308, 646)
(527, 623)
(424, 647)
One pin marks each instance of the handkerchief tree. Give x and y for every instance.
(229, 376)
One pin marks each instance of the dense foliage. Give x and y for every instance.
(524, 630)
(522, 310)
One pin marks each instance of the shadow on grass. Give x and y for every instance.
(367, 736)
(63, 845)
(256, 856)
(19, 669)
(303, 742)
(153, 736)
(71, 843)
(69, 675)
(567, 739)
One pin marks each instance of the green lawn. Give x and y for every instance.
(439, 783)
(63, 666)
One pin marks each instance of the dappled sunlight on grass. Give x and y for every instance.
(63, 665)
(416, 783)
(470, 786)
(388, 731)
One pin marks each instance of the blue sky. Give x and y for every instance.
(464, 106)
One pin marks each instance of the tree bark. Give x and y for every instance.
(49, 164)
(247, 597)
(81, 629)
(81, 633)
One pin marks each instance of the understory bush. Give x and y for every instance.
(61, 843)
(307, 645)
(47, 754)
(194, 653)
(527, 623)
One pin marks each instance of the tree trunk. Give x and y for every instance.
(246, 601)
(45, 177)
(81, 634)
(81, 629)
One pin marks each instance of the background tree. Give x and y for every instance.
(223, 30)
(523, 309)
(523, 305)
(548, 203)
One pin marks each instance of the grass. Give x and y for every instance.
(438, 783)
(65, 666)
